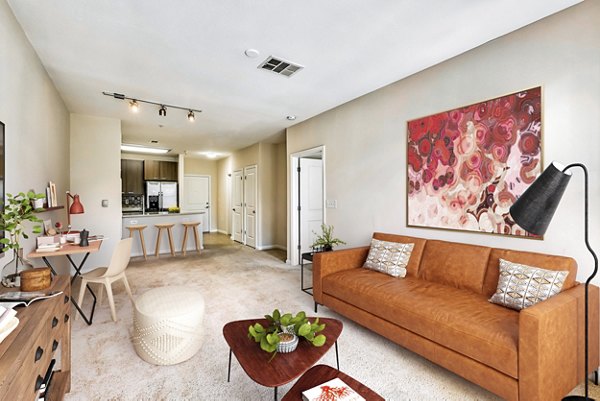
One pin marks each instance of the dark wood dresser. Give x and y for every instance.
(43, 334)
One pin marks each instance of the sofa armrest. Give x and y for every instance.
(551, 344)
(325, 263)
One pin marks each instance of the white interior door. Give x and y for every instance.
(250, 201)
(311, 201)
(237, 192)
(196, 197)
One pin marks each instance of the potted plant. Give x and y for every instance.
(325, 241)
(284, 330)
(17, 211)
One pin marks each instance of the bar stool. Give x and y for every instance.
(192, 225)
(168, 227)
(140, 230)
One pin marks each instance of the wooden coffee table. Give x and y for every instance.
(284, 367)
(322, 373)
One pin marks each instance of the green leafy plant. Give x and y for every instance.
(269, 337)
(16, 212)
(326, 239)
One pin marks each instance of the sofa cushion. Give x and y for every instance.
(549, 262)
(521, 286)
(454, 264)
(459, 320)
(389, 257)
(412, 268)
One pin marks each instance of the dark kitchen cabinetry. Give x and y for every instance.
(132, 176)
(159, 170)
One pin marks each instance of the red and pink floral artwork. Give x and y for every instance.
(467, 166)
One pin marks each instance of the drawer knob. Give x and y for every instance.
(66, 318)
(54, 322)
(38, 353)
(66, 299)
(54, 345)
(38, 382)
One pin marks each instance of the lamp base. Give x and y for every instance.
(577, 398)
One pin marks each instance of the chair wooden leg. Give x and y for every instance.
(196, 235)
(157, 251)
(143, 242)
(170, 234)
(127, 287)
(111, 300)
(183, 246)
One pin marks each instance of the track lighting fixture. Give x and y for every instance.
(134, 105)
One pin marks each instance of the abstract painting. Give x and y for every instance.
(467, 166)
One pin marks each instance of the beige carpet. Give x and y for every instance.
(238, 283)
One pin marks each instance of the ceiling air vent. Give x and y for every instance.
(280, 66)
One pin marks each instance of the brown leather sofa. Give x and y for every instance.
(440, 310)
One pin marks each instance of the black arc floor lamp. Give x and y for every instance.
(533, 211)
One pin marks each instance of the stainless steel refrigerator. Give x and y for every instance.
(165, 191)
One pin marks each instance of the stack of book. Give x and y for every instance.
(51, 197)
(333, 390)
(8, 321)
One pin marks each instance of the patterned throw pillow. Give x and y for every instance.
(521, 286)
(389, 257)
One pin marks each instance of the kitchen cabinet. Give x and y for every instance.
(132, 176)
(160, 170)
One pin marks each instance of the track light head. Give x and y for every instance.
(163, 111)
(134, 106)
(191, 116)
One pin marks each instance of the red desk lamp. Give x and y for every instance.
(75, 208)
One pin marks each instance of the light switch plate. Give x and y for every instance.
(331, 204)
(104, 202)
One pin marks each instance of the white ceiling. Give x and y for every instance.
(190, 53)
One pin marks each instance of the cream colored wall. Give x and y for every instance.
(206, 167)
(280, 196)
(95, 175)
(36, 119)
(266, 194)
(366, 138)
(224, 171)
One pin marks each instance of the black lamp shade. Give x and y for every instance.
(534, 210)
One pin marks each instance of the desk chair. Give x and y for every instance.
(107, 275)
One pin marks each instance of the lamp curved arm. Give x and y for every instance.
(586, 214)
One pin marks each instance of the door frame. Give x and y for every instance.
(293, 253)
(209, 219)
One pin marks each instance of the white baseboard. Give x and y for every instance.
(222, 231)
(267, 247)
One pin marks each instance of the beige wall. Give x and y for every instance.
(366, 139)
(95, 175)
(36, 119)
(280, 196)
(193, 166)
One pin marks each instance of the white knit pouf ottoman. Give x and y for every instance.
(167, 324)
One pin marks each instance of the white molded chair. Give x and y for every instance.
(107, 275)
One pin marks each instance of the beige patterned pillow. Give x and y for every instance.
(521, 286)
(389, 257)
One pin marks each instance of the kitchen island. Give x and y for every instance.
(150, 219)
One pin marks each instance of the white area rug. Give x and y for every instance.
(237, 283)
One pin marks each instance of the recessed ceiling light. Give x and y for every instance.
(291, 117)
(252, 53)
(143, 149)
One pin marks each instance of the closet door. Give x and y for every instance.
(237, 192)
(250, 201)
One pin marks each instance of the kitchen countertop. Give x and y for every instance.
(155, 214)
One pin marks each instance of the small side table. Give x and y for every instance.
(309, 257)
(322, 373)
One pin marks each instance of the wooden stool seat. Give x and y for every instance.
(140, 230)
(161, 227)
(193, 225)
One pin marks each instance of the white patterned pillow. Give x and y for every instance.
(521, 286)
(389, 257)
